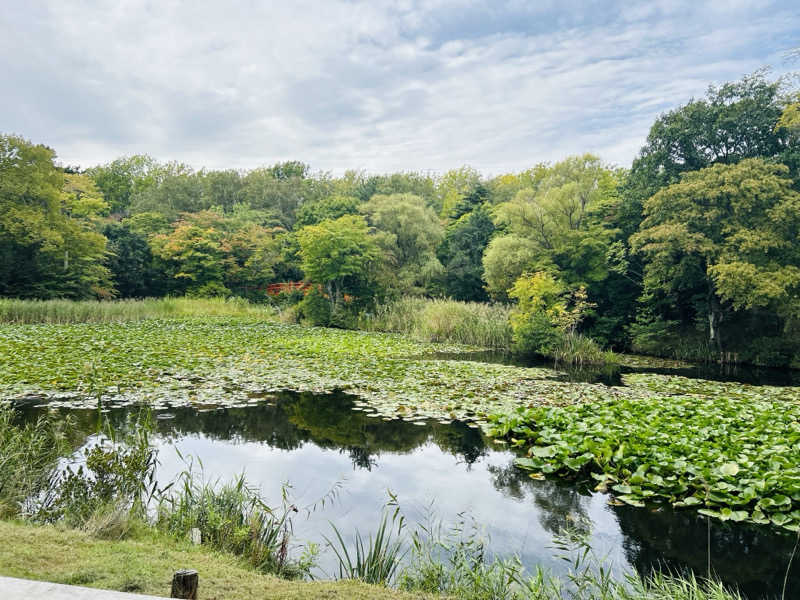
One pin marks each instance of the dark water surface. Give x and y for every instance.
(314, 441)
(747, 374)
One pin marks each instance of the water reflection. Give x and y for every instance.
(313, 441)
(612, 375)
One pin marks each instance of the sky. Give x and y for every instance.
(371, 85)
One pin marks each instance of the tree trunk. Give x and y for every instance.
(714, 320)
(184, 584)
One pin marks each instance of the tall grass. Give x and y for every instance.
(374, 559)
(28, 456)
(232, 517)
(109, 311)
(577, 350)
(443, 320)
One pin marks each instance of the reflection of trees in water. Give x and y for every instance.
(289, 420)
(753, 557)
(562, 507)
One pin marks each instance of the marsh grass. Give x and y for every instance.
(232, 517)
(28, 455)
(374, 559)
(112, 311)
(577, 350)
(443, 320)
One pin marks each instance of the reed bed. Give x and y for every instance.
(443, 320)
(112, 311)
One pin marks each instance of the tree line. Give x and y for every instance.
(694, 250)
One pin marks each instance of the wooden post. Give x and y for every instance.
(184, 584)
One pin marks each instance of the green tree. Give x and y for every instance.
(177, 189)
(563, 220)
(325, 209)
(461, 255)
(122, 178)
(49, 247)
(453, 187)
(725, 238)
(193, 254)
(222, 189)
(340, 255)
(733, 122)
(414, 233)
(131, 263)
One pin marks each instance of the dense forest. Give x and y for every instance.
(694, 251)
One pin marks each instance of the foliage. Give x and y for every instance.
(131, 262)
(113, 474)
(28, 455)
(461, 255)
(48, 247)
(315, 308)
(733, 122)
(506, 258)
(341, 255)
(750, 261)
(326, 209)
(414, 232)
(562, 221)
(546, 319)
(734, 455)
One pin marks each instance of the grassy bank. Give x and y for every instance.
(113, 311)
(145, 565)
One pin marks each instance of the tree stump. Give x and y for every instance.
(184, 584)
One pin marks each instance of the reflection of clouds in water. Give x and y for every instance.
(519, 518)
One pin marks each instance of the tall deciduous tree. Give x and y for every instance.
(48, 244)
(414, 233)
(339, 255)
(461, 255)
(727, 234)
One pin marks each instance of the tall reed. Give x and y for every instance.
(232, 517)
(28, 457)
(442, 320)
(374, 559)
(109, 311)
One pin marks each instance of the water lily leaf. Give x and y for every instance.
(730, 468)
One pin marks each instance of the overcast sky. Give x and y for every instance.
(380, 86)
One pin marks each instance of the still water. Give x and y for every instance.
(317, 442)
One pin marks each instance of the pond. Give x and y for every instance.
(315, 442)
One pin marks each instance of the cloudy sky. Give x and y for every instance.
(374, 85)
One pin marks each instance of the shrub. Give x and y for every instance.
(117, 477)
(316, 308)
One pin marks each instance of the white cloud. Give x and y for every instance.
(359, 84)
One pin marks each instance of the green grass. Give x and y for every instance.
(442, 320)
(113, 311)
(28, 455)
(577, 350)
(146, 564)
